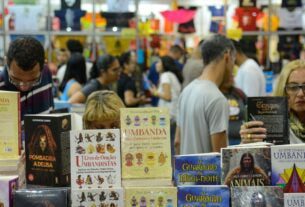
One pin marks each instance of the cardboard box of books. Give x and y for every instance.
(7, 185)
(249, 196)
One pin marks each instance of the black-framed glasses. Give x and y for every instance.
(293, 88)
(18, 83)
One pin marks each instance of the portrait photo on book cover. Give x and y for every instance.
(42, 141)
(252, 169)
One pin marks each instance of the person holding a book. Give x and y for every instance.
(102, 110)
(291, 84)
(105, 72)
(27, 73)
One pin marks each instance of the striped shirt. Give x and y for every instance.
(38, 100)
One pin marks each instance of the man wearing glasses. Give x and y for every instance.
(25, 72)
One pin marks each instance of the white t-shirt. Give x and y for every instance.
(62, 70)
(26, 16)
(172, 80)
(290, 19)
(250, 78)
(202, 111)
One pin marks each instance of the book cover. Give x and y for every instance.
(10, 133)
(249, 196)
(50, 197)
(294, 199)
(204, 195)
(246, 166)
(8, 184)
(95, 159)
(288, 167)
(273, 111)
(111, 197)
(150, 196)
(197, 169)
(146, 143)
(47, 149)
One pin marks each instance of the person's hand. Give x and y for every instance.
(153, 90)
(252, 131)
(143, 99)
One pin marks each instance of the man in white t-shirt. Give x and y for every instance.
(203, 111)
(250, 77)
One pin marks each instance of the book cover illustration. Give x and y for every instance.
(197, 169)
(46, 149)
(294, 199)
(249, 196)
(204, 195)
(8, 184)
(113, 197)
(150, 196)
(10, 133)
(145, 143)
(273, 111)
(246, 166)
(54, 197)
(95, 159)
(288, 167)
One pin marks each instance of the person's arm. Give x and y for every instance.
(130, 99)
(78, 97)
(166, 95)
(219, 140)
(252, 131)
(177, 141)
(73, 89)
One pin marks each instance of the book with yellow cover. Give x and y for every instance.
(10, 128)
(150, 196)
(146, 152)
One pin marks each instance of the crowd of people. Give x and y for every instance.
(206, 103)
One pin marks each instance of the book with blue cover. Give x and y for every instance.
(197, 169)
(203, 195)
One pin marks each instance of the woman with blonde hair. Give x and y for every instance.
(291, 84)
(102, 110)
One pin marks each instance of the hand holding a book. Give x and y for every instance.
(252, 131)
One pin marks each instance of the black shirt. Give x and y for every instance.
(126, 83)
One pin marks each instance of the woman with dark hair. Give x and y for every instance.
(169, 89)
(75, 76)
(103, 73)
(126, 87)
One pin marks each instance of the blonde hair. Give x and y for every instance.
(284, 75)
(102, 106)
